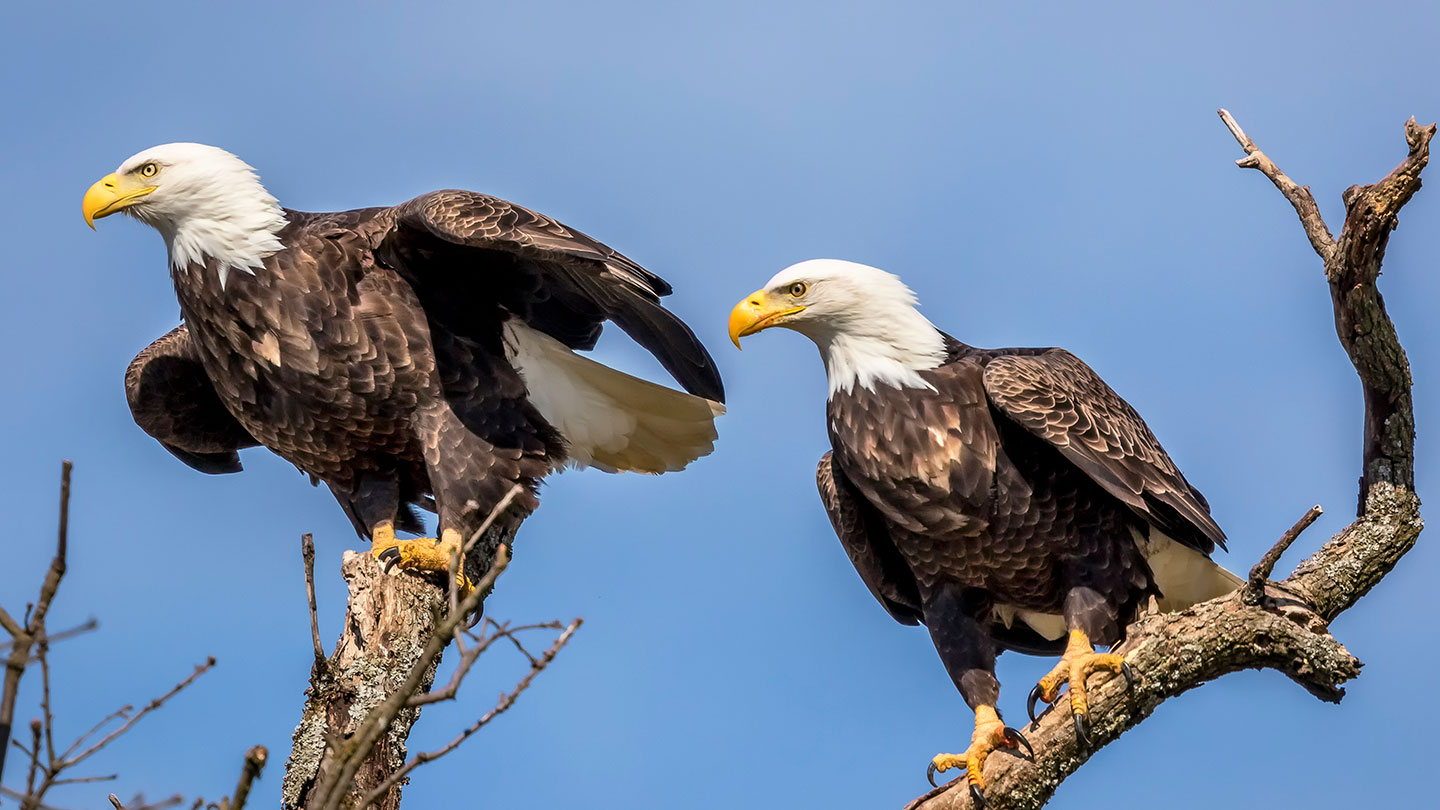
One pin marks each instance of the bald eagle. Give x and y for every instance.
(421, 355)
(1003, 498)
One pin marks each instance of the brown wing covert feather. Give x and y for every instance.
(867, 542)
(558, 279)
(1057, 397)
(172, 399)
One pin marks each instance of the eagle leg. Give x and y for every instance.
(991, 734)
(968, 653)
(420, 554)
(1079, 662)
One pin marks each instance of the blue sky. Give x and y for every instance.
(1040, 173)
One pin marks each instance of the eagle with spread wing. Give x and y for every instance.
(1003, 498)
(418, 356)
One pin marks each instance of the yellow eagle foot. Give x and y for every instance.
(420, 554)
(1079, 662)
(990, 734)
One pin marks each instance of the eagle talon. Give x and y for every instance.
(388, 558)
(1016, 741)
(1036, 695)
(930, 774)
(1129, 674)
(977, 797)
(1082, 730)
(422, 554)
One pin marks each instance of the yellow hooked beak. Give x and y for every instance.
(112, 193)
(757, 311)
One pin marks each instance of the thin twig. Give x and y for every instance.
(24, 636)
(82, 780)
(1298, 195)
(469, 656)
(459, 554)
(462, 668)
(36, 731)
(255, 760)
(1255, 588)
(51, 638)
(22, 797)
(42, 652)
(506, 701)
(119, 714)
(57, 565)
(11, 626)
(200, 669)
(307, 552)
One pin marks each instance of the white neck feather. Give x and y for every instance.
(890, 351)
(233, 246)
(212, 207)
(237, 239)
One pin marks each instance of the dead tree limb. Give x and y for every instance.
(1286, 627)
(25, 636)
(30, 643)
(350, 747)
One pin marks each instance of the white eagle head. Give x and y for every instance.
(865, 321)
(204, 201)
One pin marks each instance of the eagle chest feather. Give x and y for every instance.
(924, 457)
(307, 359)
(967, 496)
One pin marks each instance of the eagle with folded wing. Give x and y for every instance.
(1003, 498)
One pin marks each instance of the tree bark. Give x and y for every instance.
(388, 623)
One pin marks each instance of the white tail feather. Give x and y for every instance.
(609, 419)
(1184, 576)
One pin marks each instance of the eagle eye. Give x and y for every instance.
(798, 289)
(149, 170)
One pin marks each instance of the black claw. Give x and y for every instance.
(977, 797)
(1035, 695)
(1129, 676)
(930, 775)
(1082, 730)
(1018, 740)
(389, 557)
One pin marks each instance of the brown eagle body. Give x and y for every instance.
(419, 356)
(1003, 498)
(981, 484)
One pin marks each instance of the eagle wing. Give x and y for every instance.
(557, 279)
(173, 400)
(1060, 399)
(867, 541)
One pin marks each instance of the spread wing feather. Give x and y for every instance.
(562, 281)
(866, 540)
(173, 400)
(1060, 399)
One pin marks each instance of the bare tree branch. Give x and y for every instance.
(358, 714)
(254, 763)
(51, 638)
(1286, 628)
(24, 637)
(1299, 196)
(1260, 574)
(378, 721)
(200, 669)
(30, 642)
(307, 553)
(537, 665)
